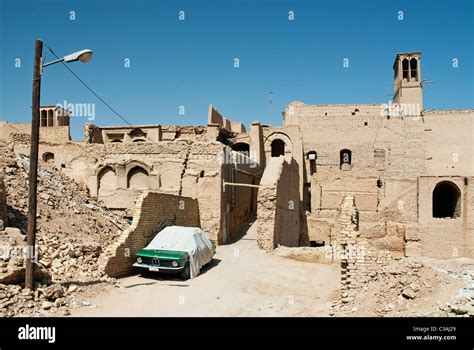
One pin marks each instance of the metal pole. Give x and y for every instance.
(32, 180)
(53, 62)
(240, 184)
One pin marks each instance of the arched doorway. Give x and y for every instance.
(137, 178)
(446, 200)
(48, 157)
(241, 147)
(107, 182)
(278, 148)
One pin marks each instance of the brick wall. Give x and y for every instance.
(152, 212)
(360, 261)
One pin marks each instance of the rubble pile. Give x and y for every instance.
(463, 303)
(401, 288)
(72, 230)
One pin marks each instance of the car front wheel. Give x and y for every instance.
(186, 273)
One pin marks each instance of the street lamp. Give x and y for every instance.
(83, 56)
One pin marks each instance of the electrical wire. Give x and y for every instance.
(95, 94)
(90, 89)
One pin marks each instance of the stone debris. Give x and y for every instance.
(72, 231)
(399, 288)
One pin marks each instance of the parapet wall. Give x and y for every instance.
(215, 118)
(20, 133)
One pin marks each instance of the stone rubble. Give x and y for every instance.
(72, 230)
(400, 285)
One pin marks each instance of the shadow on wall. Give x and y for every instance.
(287, 215)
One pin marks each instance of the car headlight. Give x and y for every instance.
(175, 263)
(139, 260)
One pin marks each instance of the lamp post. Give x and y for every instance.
(83, 56)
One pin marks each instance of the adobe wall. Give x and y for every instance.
(278, 214)
(446, 237)
(388, 156)
(449, 139)
(20, 133)
(400, 140)
(152, 212)
(191, 169)
(292, 136)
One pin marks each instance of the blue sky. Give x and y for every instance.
(190, 63)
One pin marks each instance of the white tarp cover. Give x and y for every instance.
(191, 240)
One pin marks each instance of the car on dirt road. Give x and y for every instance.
(177, 250)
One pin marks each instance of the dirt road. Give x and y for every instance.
(244, 281)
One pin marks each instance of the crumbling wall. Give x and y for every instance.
(3, 205)
(21, 133)
(217, 119)
(359, 260)
(152, 212)
(192, 168)
(92, 134)
(278, 205)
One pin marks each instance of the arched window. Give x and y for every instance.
(413, 68)
(50, 117)
(241, 147)
(44, 118)
(48, 157)
(405, 68)
(107, 181)
(139, 140)
(345, 159)
(446, 200)
(116, 141)
(278, 148)
(137, 178)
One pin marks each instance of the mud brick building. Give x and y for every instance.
(409, 170)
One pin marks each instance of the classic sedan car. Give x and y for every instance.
(177, 249)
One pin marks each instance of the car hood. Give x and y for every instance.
(162, 254)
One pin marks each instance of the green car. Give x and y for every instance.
(177, 250)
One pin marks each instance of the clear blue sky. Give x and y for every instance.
(190, 62)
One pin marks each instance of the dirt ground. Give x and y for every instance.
(244, 281)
